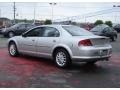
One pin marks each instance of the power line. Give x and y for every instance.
(87, 15)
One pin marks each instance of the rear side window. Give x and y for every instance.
(77, 31)
(51, 32)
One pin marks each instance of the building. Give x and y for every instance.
(5, 22)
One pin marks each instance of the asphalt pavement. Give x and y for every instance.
(26, 71)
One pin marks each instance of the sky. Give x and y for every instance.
(61, 11)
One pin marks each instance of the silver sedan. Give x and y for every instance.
(61, 43)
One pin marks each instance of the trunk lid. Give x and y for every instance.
(95, 40)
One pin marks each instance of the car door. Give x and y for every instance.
(50, 38)
(29, 40)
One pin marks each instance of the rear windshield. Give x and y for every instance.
(77, 31)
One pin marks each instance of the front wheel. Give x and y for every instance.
(13, 49)
(62, 58)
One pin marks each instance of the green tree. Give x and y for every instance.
(48, 22)
(109, 23)
(98, 22)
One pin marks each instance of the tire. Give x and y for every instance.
(13, 49)
(11, 34)
(62, 58)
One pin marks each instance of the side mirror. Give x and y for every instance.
(23, 35)
(57, 34)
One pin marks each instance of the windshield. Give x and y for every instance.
(77, 31)
(19, 25)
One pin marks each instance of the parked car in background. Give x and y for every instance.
(105, 30)
(62, 43)
(1, 31)
(117, 28)
(16, 29)
(1, 28)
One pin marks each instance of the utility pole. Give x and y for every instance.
(0, 12)
(14, 10)
(116, 6)
(34, 12)
(52, 4)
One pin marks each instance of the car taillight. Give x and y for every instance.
(85, 42)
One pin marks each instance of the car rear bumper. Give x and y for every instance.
(87, 59)
(93, 54)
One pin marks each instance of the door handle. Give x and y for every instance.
(33, 40)
(54, 40)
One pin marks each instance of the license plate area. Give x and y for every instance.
(103, 52)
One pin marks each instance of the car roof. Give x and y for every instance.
(53, 25)
(22, 23)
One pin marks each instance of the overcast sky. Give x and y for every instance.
(60, 10)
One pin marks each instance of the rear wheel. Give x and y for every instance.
(13, 49)
(62, 58)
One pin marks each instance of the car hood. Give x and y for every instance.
(7, 29)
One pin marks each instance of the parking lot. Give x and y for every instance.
(26, 71)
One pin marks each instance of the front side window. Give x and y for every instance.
(29, 26)
(36, 32)
(77, 31)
